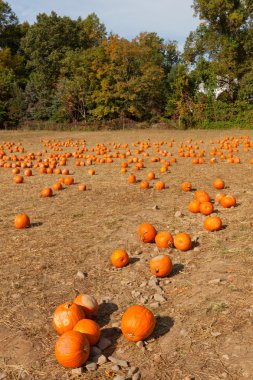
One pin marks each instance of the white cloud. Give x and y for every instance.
(170, 19)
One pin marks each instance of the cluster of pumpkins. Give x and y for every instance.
(202, 204)
(74, 322)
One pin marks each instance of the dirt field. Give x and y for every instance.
(204, 328)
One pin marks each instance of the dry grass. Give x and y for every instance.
(204, 329)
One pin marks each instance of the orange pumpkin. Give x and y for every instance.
(46, 192)
(218, 184)
(228, 201)
(164, 239)
(137, 323)
(72, 349)
(182, 241)
(82, 187)
(119, 258)
(212, 223)
(146, 233)
(22, 221)
(68, 181)
(151, 175)
(18, 179)
(66, 316)
(160, 185)
(144, 185)
(131, 178)
(206, 208)
(219, 197)
(186, 186)
(194, 206)
(28, 172)
(91, 172)
(90, 328)
(57, 186)
(88, 303)
(202, 196)
(161, 266)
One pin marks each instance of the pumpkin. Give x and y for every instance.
(88, 303)
(46, 192)
(219, 197)
(202, 196)
(206, 208)
(65, 172)
(119, 258)
(131, 178)
(160, 185)
(182, 241)
(72, 349)
(186, 186)
(144, 185)
(218, 184)
(146, 233)
(228, 201)
(137, 323)
(18, 179)
(82, 187)
(151, 175)
(91, 171)
(90, 328)
(66, 316)
(194, 206)
(213, 223)
(161, 266)
(68, 181)
(22, 221)
(57, 186)
(15, 171)
(28, 172)
(164, 239)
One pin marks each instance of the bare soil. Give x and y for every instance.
(204, 329)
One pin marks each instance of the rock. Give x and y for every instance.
(140, 344)
(116, 325)
(176, 232)
(80, 275)
(104, 343)
(153, 282)
(150, 349)
(159, 298)
(91, 367)
(178, 214)
(143, 284)
(132, 371)
(183, 332)
(121, 363)
(77, 371)
(101, 360)
(154, 305)
(119, 377)
(95, 351)
(196, 249)
(167, 282)
(106, 300)
(135, 293)
(136, 376)
(216, 281)
(215, 333)
(158, 289)
(144, 299)
(189, 377)
(226, 357)
(138, 252)
(155, 207)
(115, 368)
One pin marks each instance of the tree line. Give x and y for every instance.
(65, 70)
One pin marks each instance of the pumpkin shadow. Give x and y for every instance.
(35, 224)
(163, 326)
(223, 227)
(133, 260)
(104, 312)
(177, 268)
(195, 244)
(113, 334)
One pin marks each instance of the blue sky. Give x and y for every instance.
(170, 19)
